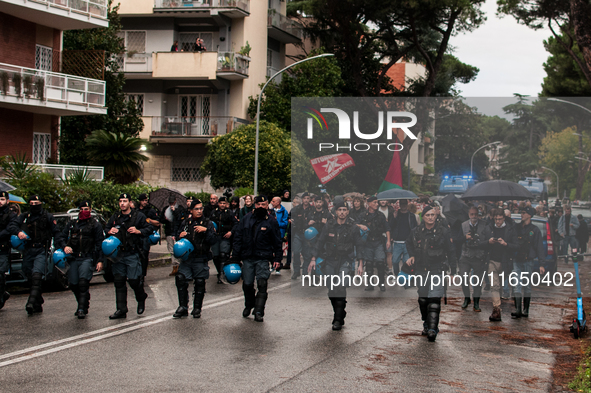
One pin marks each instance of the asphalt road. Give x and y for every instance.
(380, 348)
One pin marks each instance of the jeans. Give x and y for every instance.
(398, 251)
(569, 240)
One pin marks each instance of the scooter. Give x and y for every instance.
(580, 323)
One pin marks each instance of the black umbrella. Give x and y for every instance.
(396, 193)
(159, 198)
(497, 190)
(6, 187)
(454, 209)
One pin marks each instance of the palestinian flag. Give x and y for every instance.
(394, 177)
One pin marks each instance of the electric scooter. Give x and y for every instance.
(580, 322)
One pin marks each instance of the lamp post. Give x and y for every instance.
(557, 182)
(256, 149)
(480, 148)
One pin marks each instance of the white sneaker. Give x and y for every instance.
(277, 273)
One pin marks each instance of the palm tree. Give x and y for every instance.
(118, 153)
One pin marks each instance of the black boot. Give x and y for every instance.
(466, 302)
(140, 295)
(260, 300)
(433, 319)
(35, 298)
(526, 302)
(369, 272)
(218, 266)
(198, 299)
(183, 293)
(249, 299)
(3, 294)
(423, 307)
(338, 305)
(477, 304)
(83, 299)
(120, 298)
(517, 313)
(382, 275)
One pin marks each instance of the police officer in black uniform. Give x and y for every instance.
(257, 241)
(336, 244)
(200, 232)
(429, 246)
(8, 227)
(41, 228)
(152, 219)
(225, 221)
(373, 250)
(300, 217)
(82, 239)
(130, 227)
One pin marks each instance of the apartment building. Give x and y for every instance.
(34, 93)
(186, 96)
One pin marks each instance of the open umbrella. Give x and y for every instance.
(454, 209)
(396, 193)
(16, 199)
(497, 190)
(6, 187)
(159, 198)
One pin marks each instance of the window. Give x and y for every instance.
(43, 58)
(187, 41)
(41, 148)
(134, 41)
(421, 158)
(139, 101)
(196, 110)
(185, 169)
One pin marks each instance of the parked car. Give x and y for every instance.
(54, 276)
(549, 244)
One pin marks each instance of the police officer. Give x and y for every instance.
(373, 251)
(429, 246)
(8, 227)
(529, 240)
(474, 254)
(257, 241)
(200, 232)
(225, 221)
(82, 239)
(152, 219)
(299, 223)
(130, 227)
(39, 227)
(336, 244)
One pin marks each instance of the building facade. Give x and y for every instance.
(34, 93)
(187, 94)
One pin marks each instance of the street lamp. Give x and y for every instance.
(557, 182)
(582, 159)
(256, 149)
(569, 102)
(480, 148)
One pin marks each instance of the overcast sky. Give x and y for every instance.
(509, 56)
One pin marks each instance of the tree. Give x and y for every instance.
(568, 20)
(118, 153)
(230, 159)
(316, 78)
(122, 116)
(557, 151)
(564, 76)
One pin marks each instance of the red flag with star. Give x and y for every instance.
(328, 167)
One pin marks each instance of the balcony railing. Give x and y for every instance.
(241, 4)
(233, 62)
(96, 173)
(285, 24)
(96, 8)
(272, 71)
(135, 62)
(194, 126)
(50, 86)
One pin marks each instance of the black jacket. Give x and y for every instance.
(431, 248)
(8, 227)
(84, 240)
(41, 228)
(130, 243)
(258, 239)
(201, 241)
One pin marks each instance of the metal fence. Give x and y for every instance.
(50, 86)
(233, 62)
(194, 125)
(241, 4)
(282, 22)
(96, 173)
(96, 8)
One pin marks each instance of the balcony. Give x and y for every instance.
(59, 14)
(283, 29)
(135, 64)
(50, 93)
(59, 172)
(232, 66)
(193, 129)
(272, 71)
(204, 8)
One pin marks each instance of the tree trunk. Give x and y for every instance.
(581, 17)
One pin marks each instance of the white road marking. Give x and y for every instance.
(110, 331)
